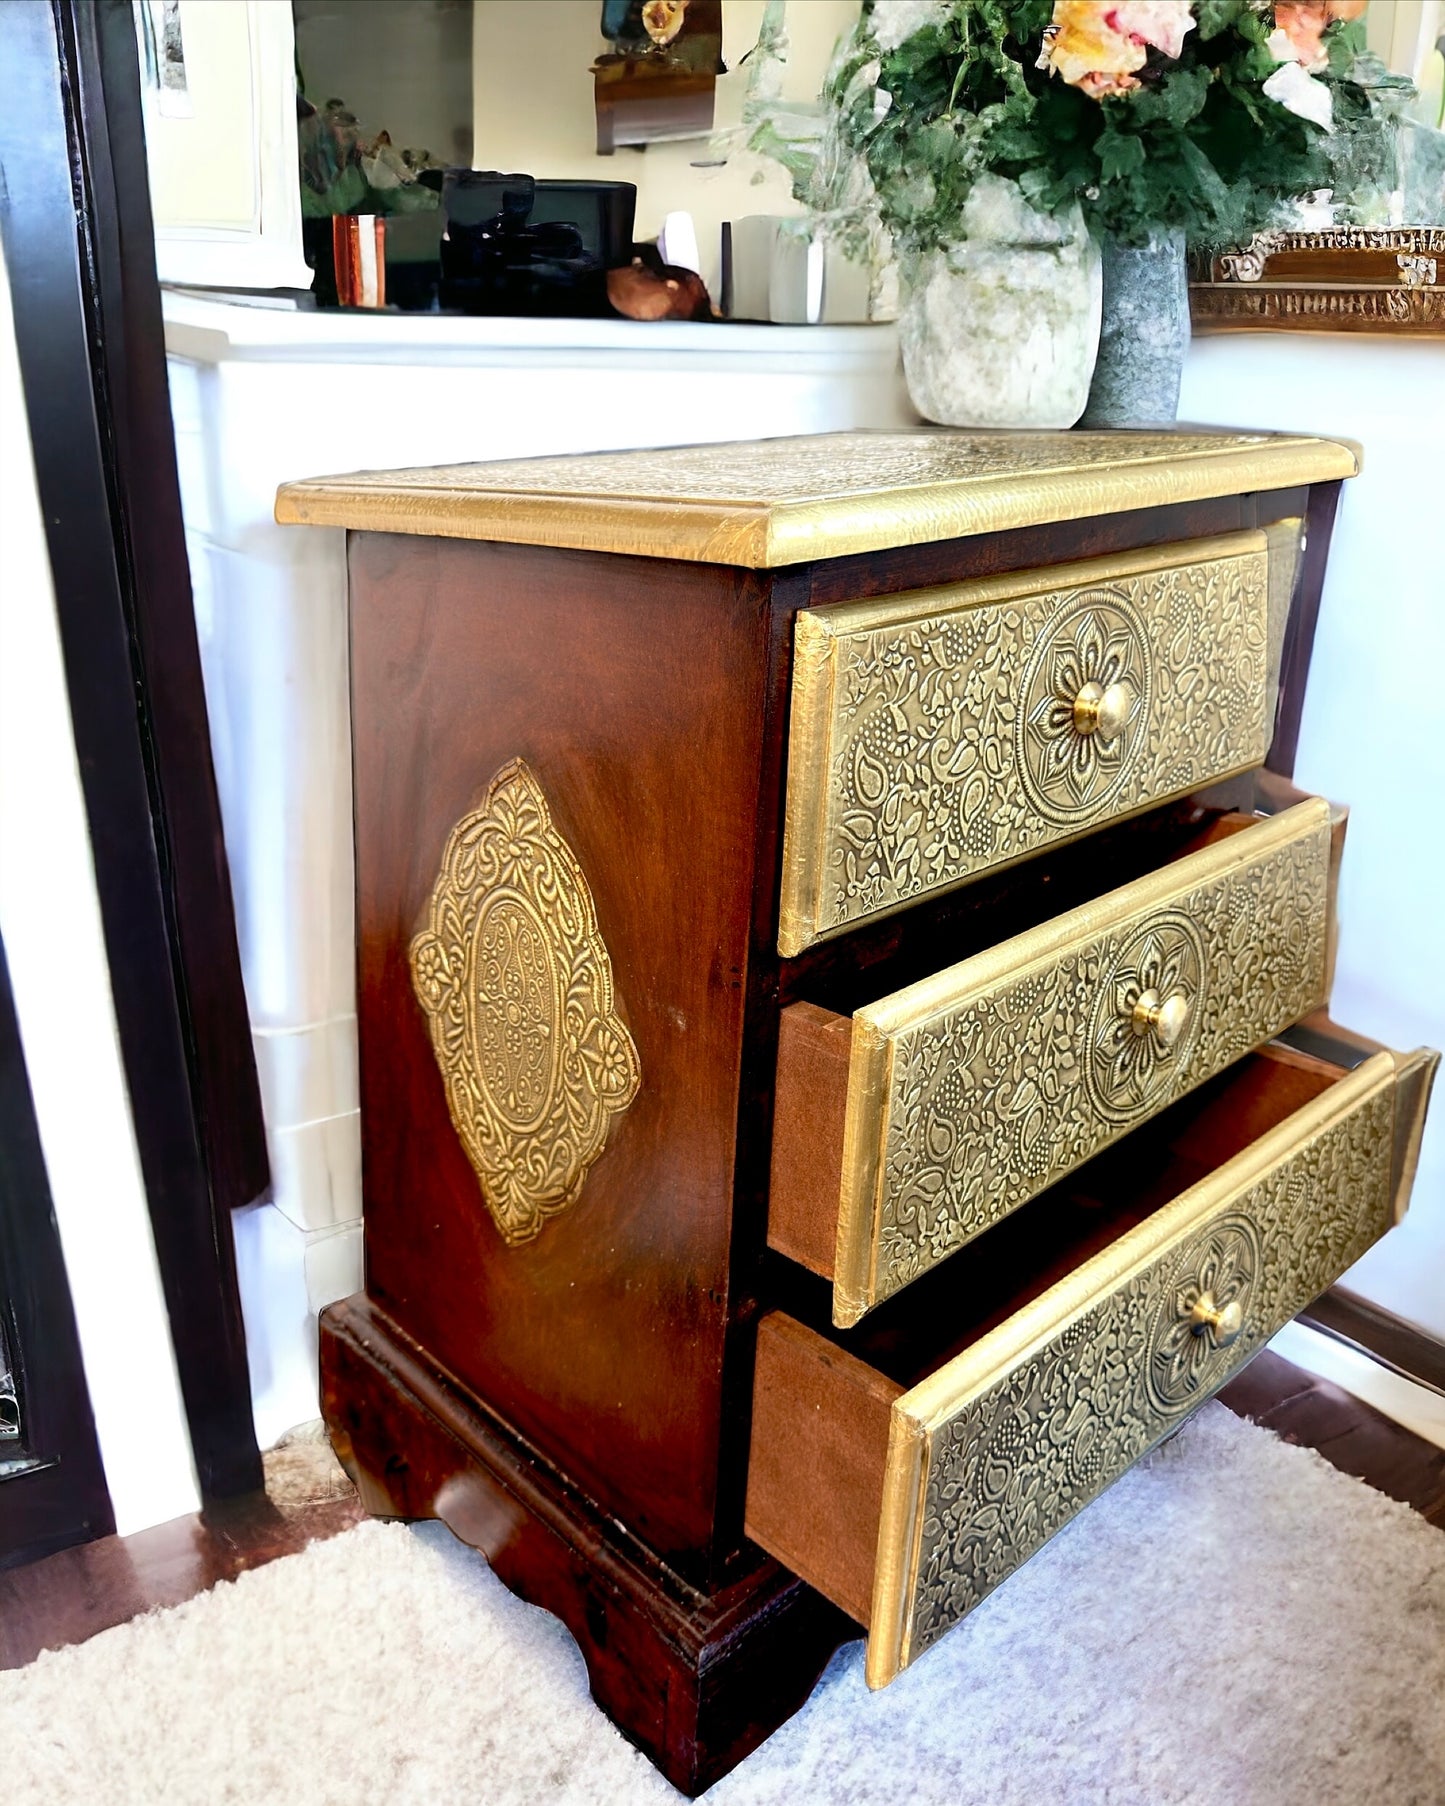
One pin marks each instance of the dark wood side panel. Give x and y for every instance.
(1299, 639)
(815, 1475)
(633, 690)
(812, 1103)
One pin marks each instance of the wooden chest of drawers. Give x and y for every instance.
(827, 910)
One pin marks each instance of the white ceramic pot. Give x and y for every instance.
(1002, 328)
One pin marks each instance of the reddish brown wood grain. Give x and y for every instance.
(581, 1407)
(820, 1432)
(812, 1102)
(634, 692)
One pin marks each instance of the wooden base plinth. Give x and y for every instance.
(695, 1680)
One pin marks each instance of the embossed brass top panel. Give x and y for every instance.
(971, 1091)
(945, 733)
(773, 502)
(992, 1454)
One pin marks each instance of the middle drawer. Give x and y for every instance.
(909, 1128)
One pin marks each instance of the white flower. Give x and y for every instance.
(1302, 95)
(894, 21)
(865, 77)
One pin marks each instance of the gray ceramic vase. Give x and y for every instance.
(1144, 335)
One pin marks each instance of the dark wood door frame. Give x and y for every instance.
(52, 1485)
(79, 246)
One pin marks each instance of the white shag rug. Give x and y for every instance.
(1234, 1624)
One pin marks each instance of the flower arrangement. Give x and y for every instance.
(1198, 116)
(344, 171)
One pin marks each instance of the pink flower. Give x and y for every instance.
(1162, 23)
(1098, 47)
(1301, 28)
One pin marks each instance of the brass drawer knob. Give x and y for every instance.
(1221, 1323)
(1165, 1018)
(1102, 710)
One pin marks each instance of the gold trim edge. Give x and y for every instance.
(759, 535)
(922, 1410)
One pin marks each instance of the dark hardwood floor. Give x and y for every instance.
(69, 1597)
(1351, 1435)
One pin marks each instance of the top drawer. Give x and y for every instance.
(942, 734)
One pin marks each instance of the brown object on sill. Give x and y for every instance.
(664, 293)
(1347, 280)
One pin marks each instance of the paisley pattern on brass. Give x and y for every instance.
(991, 1099)
(937, 736)
(517, 987)
(1188, 1359)
(1021, 1458)
(1130, 1062)
(1071, 764)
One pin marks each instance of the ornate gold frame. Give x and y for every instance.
(1385, 280)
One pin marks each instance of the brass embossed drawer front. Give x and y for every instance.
(939, 735)
(999, 1449)
(946, 1441)
(972, 1091)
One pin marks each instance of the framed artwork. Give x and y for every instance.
(657, 81)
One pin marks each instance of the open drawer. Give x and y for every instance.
(905, 1468)
(909, 1128)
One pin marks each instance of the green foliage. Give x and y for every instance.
(1197, 145)
(1364, 148)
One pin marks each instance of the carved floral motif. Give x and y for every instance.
(1220, 1265)
(1128, 1065)
(1099, 642)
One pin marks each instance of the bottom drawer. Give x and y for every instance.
(907, 1467)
